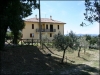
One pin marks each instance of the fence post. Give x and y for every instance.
(21, 41)
(27, 42)
(32, 41)
(37, 42)
(52, 44)
(42, 44)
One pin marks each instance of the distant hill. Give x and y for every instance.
(85, 34)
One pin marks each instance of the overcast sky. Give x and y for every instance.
(70, 12)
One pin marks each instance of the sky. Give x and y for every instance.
(70, 12)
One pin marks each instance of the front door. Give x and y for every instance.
(51, 28)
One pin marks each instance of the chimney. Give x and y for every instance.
(36, 16)
(50, 17)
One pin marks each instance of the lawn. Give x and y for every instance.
(31, 60)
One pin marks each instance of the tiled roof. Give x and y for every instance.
(43, 20)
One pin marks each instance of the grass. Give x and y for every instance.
(90, 58)
(23, 43)
(81, 59)
(35, 44)
(31, 60)
(96, 64)
(29, 43)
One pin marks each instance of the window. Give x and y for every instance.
(32, 26)
(46, 26)
(50, 34)
(58, 26)
(31, 34)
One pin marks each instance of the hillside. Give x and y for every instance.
(31, 60)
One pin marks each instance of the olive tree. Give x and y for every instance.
(79, 45)
(73, 38)
(62, 42)
(82, 43)
(85, 44)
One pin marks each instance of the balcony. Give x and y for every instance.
(46, 30)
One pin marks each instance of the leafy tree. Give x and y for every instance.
(99, 35)
(9, 35)
(88, 37)
(73, 38)
(20, 35)
(17, 29)
(98, 43)
(92, 11)
(13, 11)
(94, 40)
(86, 44)
(62, 42)
(82, 43)
(79, 45)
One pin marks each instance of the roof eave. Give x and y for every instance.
(45, 22)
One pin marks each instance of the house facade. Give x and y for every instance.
(49, 28)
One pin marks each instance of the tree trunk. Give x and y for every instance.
(15, 38)
(84, 51)
(2, 37)
(63, 56)
(79, 51)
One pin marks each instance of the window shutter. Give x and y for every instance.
(30, 35)
(58, 26)
(32, 26)
(46, 26)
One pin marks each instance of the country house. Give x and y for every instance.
(49, 27)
